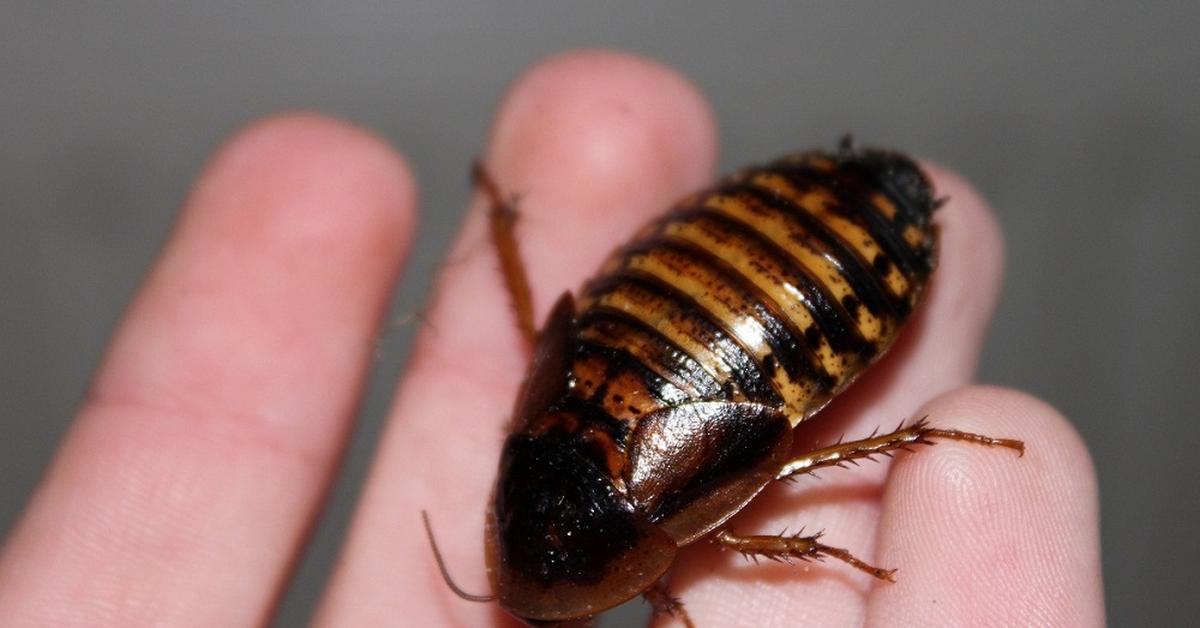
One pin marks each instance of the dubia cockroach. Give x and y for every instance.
(662, 399)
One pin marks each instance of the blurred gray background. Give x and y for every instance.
(1080, 122)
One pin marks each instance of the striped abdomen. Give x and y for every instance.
(776, 286)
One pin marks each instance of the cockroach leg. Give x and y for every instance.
(783, 548)
(663, 602)
(918, 433)
(502, 216)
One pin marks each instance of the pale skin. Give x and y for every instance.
(201, 453)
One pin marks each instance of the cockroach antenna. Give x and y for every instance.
(437, 555)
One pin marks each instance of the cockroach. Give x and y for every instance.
(662, 400)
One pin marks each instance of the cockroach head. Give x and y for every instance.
(563, 542)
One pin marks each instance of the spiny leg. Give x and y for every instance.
(663, 602)
(502, 215)
(785, 548)
(918, 433)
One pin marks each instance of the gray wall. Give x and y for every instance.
(1079, 122)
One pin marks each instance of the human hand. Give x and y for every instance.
(200, 456)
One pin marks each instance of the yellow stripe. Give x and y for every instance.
(816, 203)
(766, 276)
(885, 205)
(913, 236)
(705, 289)
(778, 228)
(637, 345)
(815, 160)
(656, 312)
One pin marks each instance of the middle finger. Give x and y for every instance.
(594, 143)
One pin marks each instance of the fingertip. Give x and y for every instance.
(975, 528)
(1055, 459)
(591, 143)
(995, 409)
(596, 122)
(288, 208)
(292, 156)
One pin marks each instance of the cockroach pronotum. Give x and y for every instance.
(662, 400)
